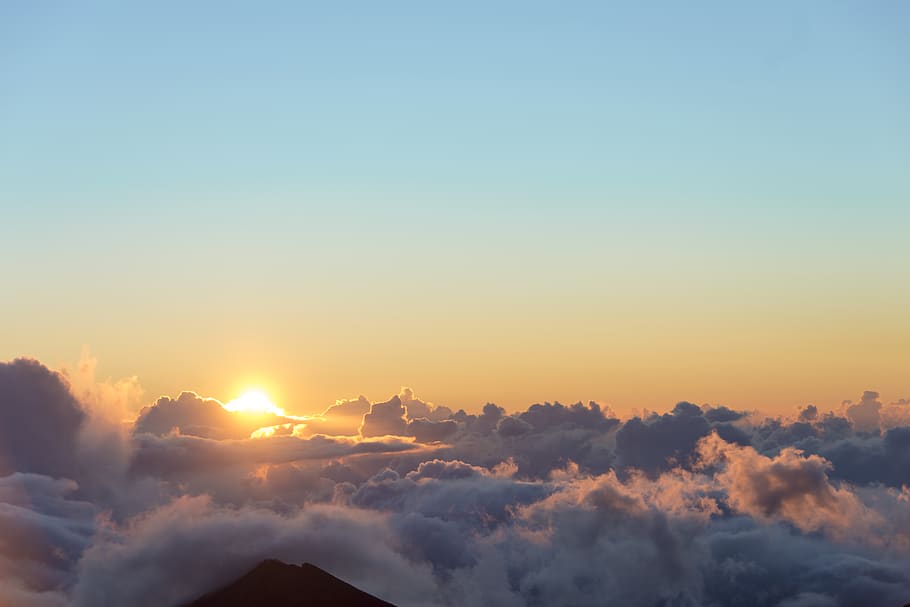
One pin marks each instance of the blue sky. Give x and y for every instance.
(518, 101)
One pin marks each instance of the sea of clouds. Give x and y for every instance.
(551, 506)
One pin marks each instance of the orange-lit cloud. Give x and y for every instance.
(567, 504)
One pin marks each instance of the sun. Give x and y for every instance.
(254, 401)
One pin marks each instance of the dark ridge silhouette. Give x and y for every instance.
(275, 584)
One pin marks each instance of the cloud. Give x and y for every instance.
(166, 557)
(451, 491)
(865, 414)
(722, 414)
(403, 415)
(427, 431)
(388, 418)
(556, 505)
(113, 400)
(349, 408)
(809, 414)
(865, 460)
(895, 414)
(191, 414)
(790, 487)
(44, 532)
(342, 418)
(417, 408)
(659, 443)
(394, 417)
(513, 426)
(550, 416)
(446, 470)
(40, 420)
(177, 456)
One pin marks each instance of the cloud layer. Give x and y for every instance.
(551, 506)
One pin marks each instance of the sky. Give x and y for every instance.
(636, 204)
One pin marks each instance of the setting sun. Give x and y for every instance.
(441, 304)
(254, 401)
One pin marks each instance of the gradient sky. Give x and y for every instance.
(509, 202)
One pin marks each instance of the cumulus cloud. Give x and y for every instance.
(661, 442)
(40, 420)
(417, 408)
(191, 414)
(554, 505)
(791, 487)
(403, 415)
(344, 418)
(513, 426)
(895, 414)
(865, 414)
(428, 431)
(809, 414)
(388, 418)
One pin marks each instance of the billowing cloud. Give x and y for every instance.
(404, 415)
(40, 420)
(180, 542)
(204, 417)
(417, 408)
(864, 414)
(661, 442)
(44, 531)
(555, 505)
(791, 487)
(344, 418)
(428, 431)
(385, 419)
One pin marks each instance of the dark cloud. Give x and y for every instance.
(349, 408)
(809, 414)
(548, 416)
(386, 418)
(342, 418)
(513, 426)
(204, 417)
(661, 442)
(177, 456)
(451, 491)
(44, 532)
(556, 506)
(578, 433)
(757, 566)
(403, 415)
(417, 408)
(865, 460)
(857, 456)
(446, 470)
(722, 414)
(427, 431)
(394, 418)
(40, 421)
(485, 423)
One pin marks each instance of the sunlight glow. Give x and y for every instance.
(254, 401)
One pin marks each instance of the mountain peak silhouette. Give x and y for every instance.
(272, 583)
